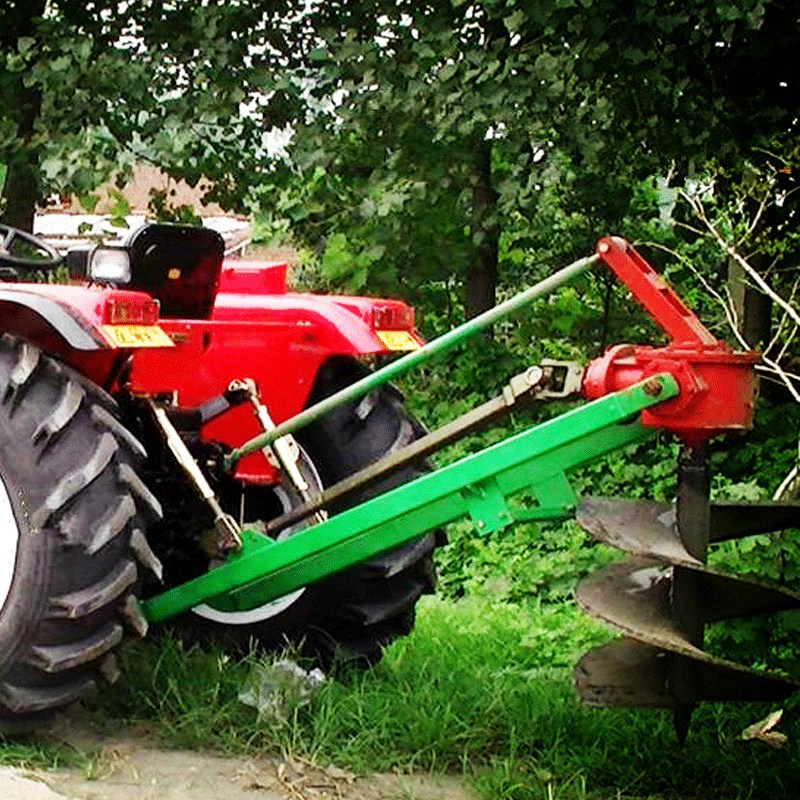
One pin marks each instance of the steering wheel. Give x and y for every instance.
(26, 251)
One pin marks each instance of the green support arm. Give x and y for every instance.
(531, 465)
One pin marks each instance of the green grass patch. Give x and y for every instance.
(41, 755)
(480, 688)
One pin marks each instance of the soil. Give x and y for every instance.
(132, 766)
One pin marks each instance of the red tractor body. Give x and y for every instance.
(121, 394)
(253, 327)
(278, 338)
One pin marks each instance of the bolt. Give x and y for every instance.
(603, 247)
(534, 376)
(481, 523)
(653, 388)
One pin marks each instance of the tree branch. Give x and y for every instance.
(699, 209)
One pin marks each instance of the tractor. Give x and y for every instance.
(185, 442)
(109, 460)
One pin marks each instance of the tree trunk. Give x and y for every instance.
(21, 188)
(481, 288)
(753, 308)
(20, 193)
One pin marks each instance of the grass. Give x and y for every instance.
(481, 688)
(41, 755)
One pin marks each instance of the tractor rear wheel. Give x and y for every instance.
(72, 518)
(351, 616)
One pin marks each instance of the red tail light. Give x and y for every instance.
(130, 311)
(394, 317)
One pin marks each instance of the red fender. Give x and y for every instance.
(77, 324)
(256, 292)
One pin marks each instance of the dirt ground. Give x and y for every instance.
(132, 767)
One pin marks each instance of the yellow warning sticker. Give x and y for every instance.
(398, 340)
(137, 336)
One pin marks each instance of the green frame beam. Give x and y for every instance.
(530, 465)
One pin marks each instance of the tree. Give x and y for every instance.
(430, 113)
(477, 105)
(89, 88)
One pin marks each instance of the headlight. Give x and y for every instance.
(110, 265)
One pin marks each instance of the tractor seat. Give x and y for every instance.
(178, 265)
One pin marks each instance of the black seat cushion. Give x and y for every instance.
(178, 265)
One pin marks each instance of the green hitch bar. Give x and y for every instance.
(414, 359)
(528, 468)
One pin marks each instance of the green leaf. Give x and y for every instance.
(447, 72)
(61, 64)
(515, 21)
(82, 50)
(88, 202)
(337, 260)
(25, 44)
(120, 209)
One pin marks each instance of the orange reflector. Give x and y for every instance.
(137, 336)
(398, 340)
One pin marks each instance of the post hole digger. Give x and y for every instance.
(205, 426)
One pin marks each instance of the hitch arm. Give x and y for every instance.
(228, 533)
(534, 462)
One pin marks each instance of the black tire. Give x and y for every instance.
(351, 616)
(78, 511)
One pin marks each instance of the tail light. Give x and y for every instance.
(130, 311)
(394, 317)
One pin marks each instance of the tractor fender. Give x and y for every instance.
(35, 318)
(342, 325)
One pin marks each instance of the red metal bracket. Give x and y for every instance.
(717, 385)
(648, 287)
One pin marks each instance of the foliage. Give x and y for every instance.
(575, 102)
(166, 211)
(90, 89)
(519, 563)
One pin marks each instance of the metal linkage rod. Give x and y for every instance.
(521, 389)
(403, 365)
